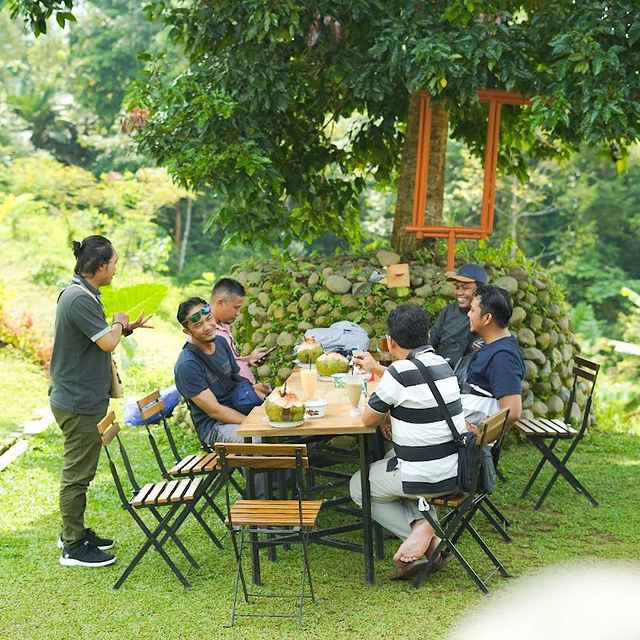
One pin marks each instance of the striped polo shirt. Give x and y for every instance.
(425, 451)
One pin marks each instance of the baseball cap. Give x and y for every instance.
(469, 273)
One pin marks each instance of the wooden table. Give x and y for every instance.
(336, 421)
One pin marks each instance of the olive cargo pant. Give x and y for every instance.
(81, 453)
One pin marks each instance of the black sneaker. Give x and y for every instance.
(85, 555)
(104, 544)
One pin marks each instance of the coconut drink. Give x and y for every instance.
(309, 351)
(283, 406)
(330, 363)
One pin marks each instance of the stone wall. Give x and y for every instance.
(286, 299)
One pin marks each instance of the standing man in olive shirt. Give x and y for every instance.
(79, 393)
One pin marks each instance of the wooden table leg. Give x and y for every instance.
(367, 521)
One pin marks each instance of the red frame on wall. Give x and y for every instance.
(496, 98)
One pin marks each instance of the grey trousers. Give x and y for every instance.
(80, 460)
(224, 432)
(390, 506)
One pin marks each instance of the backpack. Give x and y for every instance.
(342, 337)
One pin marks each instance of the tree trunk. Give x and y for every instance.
(185, 238)
(177, 229)
(402, 241)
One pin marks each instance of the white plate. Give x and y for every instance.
(283, 425)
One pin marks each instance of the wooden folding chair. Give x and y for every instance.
(278, 521)
(203, 464)
(462, 508)
(546, 433)
(179, 496)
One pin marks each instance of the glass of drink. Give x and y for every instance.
(308, 379)
(354, 391)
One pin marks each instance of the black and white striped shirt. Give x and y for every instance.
(425, 452)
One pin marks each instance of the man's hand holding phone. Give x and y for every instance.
(259, 355)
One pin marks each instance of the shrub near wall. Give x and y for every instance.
(286, 299)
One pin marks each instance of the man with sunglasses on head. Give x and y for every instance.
(206, 373)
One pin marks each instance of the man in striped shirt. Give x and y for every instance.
(424, 458)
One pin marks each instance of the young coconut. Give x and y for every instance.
(330, 363)
(283, 406)
(309, 351)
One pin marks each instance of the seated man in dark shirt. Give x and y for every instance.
(207, 389)
(450, 336)
(496, 371)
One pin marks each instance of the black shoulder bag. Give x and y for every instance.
(243, 395)
(468, 450)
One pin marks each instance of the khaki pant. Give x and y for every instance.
(81, 453)
(390, 506)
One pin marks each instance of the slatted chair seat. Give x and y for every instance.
(278, 521)
(197, 463)
(450, 500)
(545, 428)
(203, 464)
(177, 496)
(165, 492)
(546, 433)
(462, 508)
(274, 513)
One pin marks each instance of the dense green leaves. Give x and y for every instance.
(37, 12)
(287, 108)
(278, 78)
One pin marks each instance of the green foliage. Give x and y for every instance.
(268, 85)
(133, 300)
(122, 207)
(26, 337)
(128, 352)
(103, 50)
(49, 272)
(584, 323)
(37, 12)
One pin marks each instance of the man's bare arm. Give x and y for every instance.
(514, 404)
(208, 402)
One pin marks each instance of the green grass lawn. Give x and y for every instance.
(40, 599)
(24, 389)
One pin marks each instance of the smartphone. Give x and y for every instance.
(267, 352)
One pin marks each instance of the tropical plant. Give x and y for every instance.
(140, 298)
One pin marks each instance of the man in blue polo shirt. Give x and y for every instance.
(496, 371)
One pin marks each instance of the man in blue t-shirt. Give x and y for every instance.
(495, 374)
(207, 388)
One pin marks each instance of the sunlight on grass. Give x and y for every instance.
(24, 389)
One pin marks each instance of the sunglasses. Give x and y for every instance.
(195, 317)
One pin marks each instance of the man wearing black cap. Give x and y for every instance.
(451, 336)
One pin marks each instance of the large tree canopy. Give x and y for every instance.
(254, 116)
